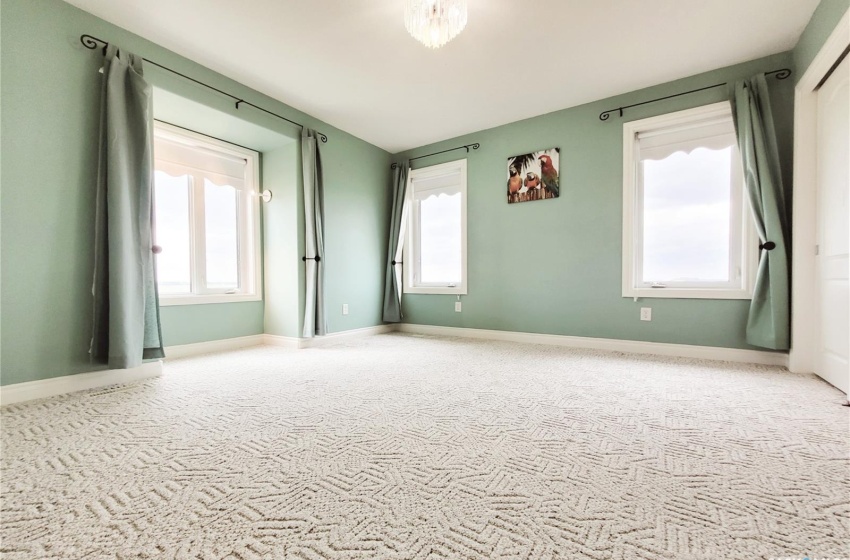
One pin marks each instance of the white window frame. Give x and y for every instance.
(248, 223)
(410, 265)
(632, 215)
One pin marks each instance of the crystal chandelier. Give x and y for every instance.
(434, 22)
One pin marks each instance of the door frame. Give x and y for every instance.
(804, 318)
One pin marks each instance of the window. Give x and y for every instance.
(687, 227)
(207, 219)
(435, 249)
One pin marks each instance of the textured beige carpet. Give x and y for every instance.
(396, 447)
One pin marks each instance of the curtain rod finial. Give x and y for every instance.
(90, 42)
(781, 74)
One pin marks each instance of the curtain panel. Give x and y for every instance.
(398, 223)
(768, 323)
(315, 317)
(126, 325)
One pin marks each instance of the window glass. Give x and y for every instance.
(687, 228)
(435, 248)
(687, 217)
(440, 250)
(173, 233)
(207, 219)
(222, 236)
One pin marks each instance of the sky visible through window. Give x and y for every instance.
(222, 235)
(440, 238)
(687, 214)
(172, 233)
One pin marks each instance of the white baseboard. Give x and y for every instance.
(198, 348)
(342, 335)
(283, 341)
(615, 345)
(30, 390)
(292, 342)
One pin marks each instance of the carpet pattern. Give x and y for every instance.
(406, 447)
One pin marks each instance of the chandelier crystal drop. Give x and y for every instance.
(434, 22)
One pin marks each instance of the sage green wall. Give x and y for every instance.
(186, 324)
(357, 208)
(50, 97)
(820, 26)
(555, 266)
(284, 241)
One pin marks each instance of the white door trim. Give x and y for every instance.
(804, 328)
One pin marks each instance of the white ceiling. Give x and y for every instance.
(352, 64)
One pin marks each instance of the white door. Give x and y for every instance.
(833, 210)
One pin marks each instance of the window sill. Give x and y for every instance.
(687, 293)
(457, 290)
(168, 301)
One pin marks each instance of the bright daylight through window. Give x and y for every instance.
(435, 251)
(687, 228)
(206, 219)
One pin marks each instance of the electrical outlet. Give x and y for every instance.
(345, 309)
(458, 307)
(646, 314)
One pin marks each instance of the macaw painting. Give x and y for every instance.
(534, 176)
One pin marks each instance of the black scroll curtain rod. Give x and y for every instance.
(474, 146)
(781, 74)
(93, 43)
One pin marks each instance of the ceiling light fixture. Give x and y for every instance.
(434, 22)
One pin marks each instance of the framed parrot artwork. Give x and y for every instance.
(534, 176)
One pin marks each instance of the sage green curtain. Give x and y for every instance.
(398, 222)
(126, 327)
(768, 323)
(315, 316)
